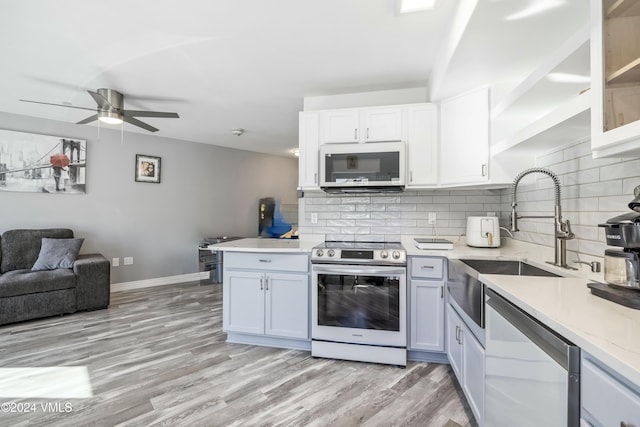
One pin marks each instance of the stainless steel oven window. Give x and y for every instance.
(359, 301)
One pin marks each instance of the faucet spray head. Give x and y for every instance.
(514, 217)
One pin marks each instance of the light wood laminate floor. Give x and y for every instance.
(158, 356)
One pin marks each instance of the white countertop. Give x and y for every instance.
(608, 331)
(266, 245)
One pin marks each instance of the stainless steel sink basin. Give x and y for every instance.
(467, 290)
(513, 268)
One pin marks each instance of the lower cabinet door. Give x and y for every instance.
(243, 302)
(473, 368)
(287, 305)
(454, 346)
(427, 315)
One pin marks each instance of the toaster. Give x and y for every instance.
(483, 231)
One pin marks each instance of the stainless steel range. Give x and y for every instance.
(359, 302)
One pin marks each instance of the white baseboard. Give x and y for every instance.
(160, 281)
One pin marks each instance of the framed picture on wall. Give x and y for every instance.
(37, 163)
(147, 168)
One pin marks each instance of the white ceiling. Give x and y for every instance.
(223, 64)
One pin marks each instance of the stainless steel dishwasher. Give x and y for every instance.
(532, 374)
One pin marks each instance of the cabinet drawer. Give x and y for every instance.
(430, 268)
(621, 405)
(266, 261)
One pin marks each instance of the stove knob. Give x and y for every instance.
(331, 252)
(395, 255)
(319, 252)
(384, 254)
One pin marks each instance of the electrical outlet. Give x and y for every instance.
(431, 219)
(128, 260)
(115, 262)
(314, 218)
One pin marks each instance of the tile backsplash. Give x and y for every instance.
(592, 191)
(386, 217)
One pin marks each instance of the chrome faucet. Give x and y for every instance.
(562, 228)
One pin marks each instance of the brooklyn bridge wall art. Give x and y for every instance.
(42, 163)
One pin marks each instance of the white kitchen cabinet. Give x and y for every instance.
(427, 315)
(422, 146)
(466, 356)
(464, 138)
(287, 305)
(308, 146)
(426, 297)
(266, 294)
(607, 399)
(360, 125)
(615, 66)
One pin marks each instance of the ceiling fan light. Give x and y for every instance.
(110, 117)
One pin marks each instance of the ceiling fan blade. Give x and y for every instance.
(58, 105)
(135, 113)
(138, 123)
(103, 103)
(88, 120)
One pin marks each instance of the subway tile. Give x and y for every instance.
(628, 185)
(597, 189)
(550, 159)
(355, 230)
(371, 208)
(326, 215)
(355, 215)
(386, 215)
(359, 200)
(621, 170)
(450, 199)
(401, 207)
(371, 223)
(400, 223)
(341, 222)
(577, 150)
(417, 199)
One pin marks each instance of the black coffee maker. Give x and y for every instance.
(622, 266)
(266, 209)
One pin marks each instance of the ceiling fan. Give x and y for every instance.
(111, 110)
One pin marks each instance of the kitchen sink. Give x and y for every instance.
(467, 290)
(513, 268)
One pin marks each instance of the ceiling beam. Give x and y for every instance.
(451, 39)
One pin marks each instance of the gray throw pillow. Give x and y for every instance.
(57, 253)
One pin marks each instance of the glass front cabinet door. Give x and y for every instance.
(615, 68)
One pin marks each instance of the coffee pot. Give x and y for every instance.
(622, 266)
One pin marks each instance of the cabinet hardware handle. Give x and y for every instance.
(410, 176)
(262, 283)
(367, 133)
(355, 134)
(266, 281)
(315, 178)
(458, 334)
(430, 267)
(441, 291)
(484, 169)
(264, 260)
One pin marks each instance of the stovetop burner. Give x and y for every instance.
(375, 253)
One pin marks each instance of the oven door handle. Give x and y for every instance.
(361, 271)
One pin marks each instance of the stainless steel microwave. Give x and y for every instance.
(367, 167)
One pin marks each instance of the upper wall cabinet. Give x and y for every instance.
(361, 125)
(464, 139)
(309, 145)
(615, 56)
(422, 146)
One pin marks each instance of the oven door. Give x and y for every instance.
(359, 304)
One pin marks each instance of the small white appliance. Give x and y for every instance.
(483, 231)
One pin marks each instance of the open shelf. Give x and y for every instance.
(630, 73)
(569, 122)
(540, 113)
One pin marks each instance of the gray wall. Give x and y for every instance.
(205, 191)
